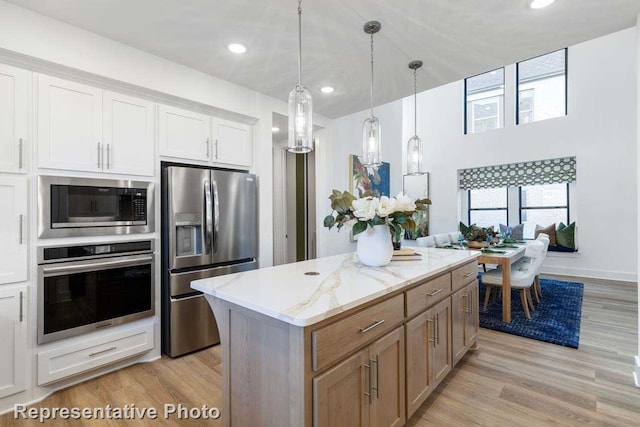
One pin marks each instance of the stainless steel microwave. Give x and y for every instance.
(91, 207)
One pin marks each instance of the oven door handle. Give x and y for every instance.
(96, 266)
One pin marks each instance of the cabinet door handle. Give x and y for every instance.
(21, 313)
(102, 351)
(376, 361)
(108, 156)
(434, 293)
(466, 305)
(207, 142)
(471, 302)
(216, 149)
(20, 154)
(437, 329)
(99, 156)
(372, 326)
(20, 234)
(431, 332)
(368, 393)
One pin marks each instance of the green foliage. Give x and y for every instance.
(343, 213)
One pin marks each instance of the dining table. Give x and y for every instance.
(504, 257)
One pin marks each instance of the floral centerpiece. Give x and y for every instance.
(478, 237)
(366, 213)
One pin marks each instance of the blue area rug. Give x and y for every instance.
(556, 319)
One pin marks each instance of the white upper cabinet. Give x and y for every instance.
(13, 119)
(13, 229)
(189, 135)
(69, 125)
(13, 335)
(128, 135)
(232, 143)
(82, 128)
(184, 134)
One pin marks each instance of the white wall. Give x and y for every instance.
(333, 166)
(600, 130)
(637, 364)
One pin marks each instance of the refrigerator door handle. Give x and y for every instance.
(216, 215)
(207, 217)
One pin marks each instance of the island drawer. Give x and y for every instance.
(427, 294)
(332, 342)
(464, 275)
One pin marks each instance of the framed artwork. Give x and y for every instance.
(417, 187)
(362, 179)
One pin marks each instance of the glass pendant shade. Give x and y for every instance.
(300, 121)
(371, 143)
(414, 156)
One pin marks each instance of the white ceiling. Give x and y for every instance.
(454, 38)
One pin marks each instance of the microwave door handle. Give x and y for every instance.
(216, 215)
(207, 217)
(96, 266)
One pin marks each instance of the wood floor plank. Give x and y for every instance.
(508, 381)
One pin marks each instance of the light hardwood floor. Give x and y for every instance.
(509, 381)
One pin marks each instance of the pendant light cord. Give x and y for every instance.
(415, 102)
(371, 94)
(299, 42)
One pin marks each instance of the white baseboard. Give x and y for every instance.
(621, 276)
(636, 372)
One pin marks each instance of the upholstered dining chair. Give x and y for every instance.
(426, 242)
(520, 279)
(442, 239)
(523, 264)
(454, 236)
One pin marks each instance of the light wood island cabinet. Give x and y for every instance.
(365, 363)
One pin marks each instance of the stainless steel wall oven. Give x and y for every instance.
(89, 207)
(82, 288)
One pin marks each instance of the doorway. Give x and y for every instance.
(294, 199)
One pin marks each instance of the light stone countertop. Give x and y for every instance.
(284, 292)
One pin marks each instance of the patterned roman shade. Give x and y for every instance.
(553, 171)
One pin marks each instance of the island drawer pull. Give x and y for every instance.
(434, 293)
(468, 274)
(102, 351)
(370, 327)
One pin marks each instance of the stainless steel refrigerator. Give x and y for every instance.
(209, 228)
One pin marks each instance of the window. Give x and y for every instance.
(488, 207)
(544, 205)
(484, 101)
(543, 79)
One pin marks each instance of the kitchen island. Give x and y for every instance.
(330, 342)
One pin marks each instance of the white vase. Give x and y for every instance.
(374, 246)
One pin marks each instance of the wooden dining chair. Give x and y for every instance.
(520, 279)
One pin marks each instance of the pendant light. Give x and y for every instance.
(371, 146)
(300, 106)
(414, 145)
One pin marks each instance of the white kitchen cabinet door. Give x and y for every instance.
(128, 135)
(69, 125)
(184, 134)
(13, 229)
(13, 335)
(13, 119)
(232, 143)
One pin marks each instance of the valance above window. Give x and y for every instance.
(553, 171)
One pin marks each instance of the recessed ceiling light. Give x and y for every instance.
(327, 89)
(237, 48)
(539, 4)
(275, 129)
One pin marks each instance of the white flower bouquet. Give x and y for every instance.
(357, 214)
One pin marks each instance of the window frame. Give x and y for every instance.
(520, 207)
(464, 99)
(469, 208)
(517, 91)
